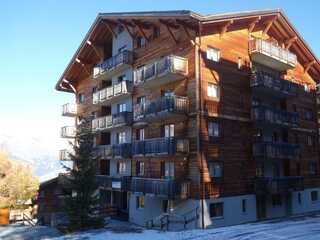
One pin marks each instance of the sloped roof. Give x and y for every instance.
(282, 28)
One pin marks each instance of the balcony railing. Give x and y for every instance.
(122, 150)
(275, 116)
(276, 150)
(64, 155)
(271, 55)
(162, 107)
(114, 92)
(166, 146)
(265, 185)
(167, 188)
(111, 183)
(112, 121)
(68, 132)
(103, 151)
(69, 109)
(165, 70)
(273, 84)
(112, 65)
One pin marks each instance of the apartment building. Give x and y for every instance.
(199, 121)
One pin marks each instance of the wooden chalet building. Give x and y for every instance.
(211, 120)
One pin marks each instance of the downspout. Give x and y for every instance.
(199, 114)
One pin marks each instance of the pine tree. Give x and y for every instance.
(82, 206)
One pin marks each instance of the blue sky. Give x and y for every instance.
(38, 38)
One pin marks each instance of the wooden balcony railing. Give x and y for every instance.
(275, 116)
(165, 70)
(162, 107)
(276, 150)
(68, 132)
(166, 188)
(114, 92)
(273, 84)
(271, 55)
(264, 185)
(105, 69)
(167, 146)
(69, 110)
(112, 121)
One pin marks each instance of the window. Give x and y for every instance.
(312, 168)
(240, 63)
(299, 198)
(141, 42)
(216, 210)
(276, 200)
(213, 129)
(94, 90)
(121, 137)
(81, 98)
(141, 101)
(260, 170)
(121, 167)
(307, 114)
(155, 32)
(213, 90)
(244, 205)
(306, 88)
(314, 196)
(122, 107)
(309, 140)
(169, 170)
(168, 130)
(120, 29)
(140, 202)
(165, 205)
(215, 169)
(122, 78)
(168, 93)
(140, 168)
(140, 134)
(213, 54)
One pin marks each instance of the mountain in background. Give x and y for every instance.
(33, 151)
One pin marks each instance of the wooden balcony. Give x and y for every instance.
(269, 115)
(69, 110)
(112, 121)
(275, 150)
(271, 55)
(112, 183)
(114, 93)
(174, 107)
(263, 83)
(166, 70)
(163, 188)
(68, 132)
(161, 146)
(64, 155)
(113, 65)
(264, 185)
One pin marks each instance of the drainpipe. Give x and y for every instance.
(199, 114)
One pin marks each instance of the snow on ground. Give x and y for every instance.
(298, 228)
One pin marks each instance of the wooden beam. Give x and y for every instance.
(187, 25)
(269, 24)
(140, 28)
(169, 30)
(107, 24)
(170, 24)
(308, 65)
(95, 49)
(126, 26)
(224, 28)
(83, 65)
(290, 41)
(253, 24)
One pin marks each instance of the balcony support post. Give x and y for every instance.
(224, 28)
(308, 65)
(107, 24)
(169, 26)
(253, 24)
(290, 41)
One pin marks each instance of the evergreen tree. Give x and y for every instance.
(82, 206)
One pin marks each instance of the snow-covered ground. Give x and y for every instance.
(303, 228)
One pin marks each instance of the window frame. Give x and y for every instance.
(213, 211)
(314, 196)
(213, 129)
(213, 54)
(140, 202)
(216, 88)
(81, 98)
(213, 171)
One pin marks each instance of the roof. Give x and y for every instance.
(283, 29)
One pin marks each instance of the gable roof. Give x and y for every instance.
(281, 28)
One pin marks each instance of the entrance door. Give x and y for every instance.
(261, 207)
(124, 201)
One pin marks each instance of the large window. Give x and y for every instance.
(141, 101)
(140, 134)
(121, 167)
(169, 169)
(81, 98)
(168, 130)
(215, 169)
(140, 202)
(312, 168)
(141, 42)
(216, 210)
(121, 137)
(140, 168)
(213, 54)
(213, 90)
(213, 129)
(122, 107)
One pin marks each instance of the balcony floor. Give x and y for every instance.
(270, 62)
(107, 75)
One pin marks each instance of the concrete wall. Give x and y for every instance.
(306, 204)
(232, 211)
